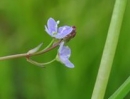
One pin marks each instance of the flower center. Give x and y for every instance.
(54, 33)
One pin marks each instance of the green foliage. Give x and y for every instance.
(22, 27)
(122, 91)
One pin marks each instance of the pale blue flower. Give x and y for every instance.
(53, 30)
(64, 53)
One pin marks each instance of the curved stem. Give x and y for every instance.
(27, 55)
(40, 64)
(109, 50)
(49, 45)
(48, 49)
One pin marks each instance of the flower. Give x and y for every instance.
(53, 30)
(64, 53)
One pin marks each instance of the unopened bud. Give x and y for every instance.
(71, 35)
(34, 50)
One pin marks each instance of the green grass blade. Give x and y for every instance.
(122, 91)
(109, 50)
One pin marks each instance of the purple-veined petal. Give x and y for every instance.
(66, 62)
(64, 31)
(51, 27)
(48, 31)
(59, 33)
(64, 53)
(60, 48)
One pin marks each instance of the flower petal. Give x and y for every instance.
(48, 31)
(64, 53)
(64, 31)
(66, 62)
(60, 48)
(51, 26)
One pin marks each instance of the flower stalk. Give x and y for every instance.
(59, 35)
(30, 55)
(109, 50)
(40, 64)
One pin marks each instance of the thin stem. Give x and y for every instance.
(13, 56)
(49, 62)
(49, 45)
(109, 50)
(29, 55)
(40, 64)
(48, 49)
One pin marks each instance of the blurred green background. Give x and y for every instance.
(22, 28)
